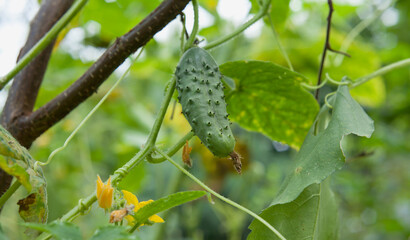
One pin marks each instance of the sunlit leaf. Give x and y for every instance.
(311, 216)
(269, 99)
(321, 154)
(59, 230)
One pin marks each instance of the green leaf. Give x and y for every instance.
(321, 154)
(269, 99)
(112, 233)
(162, 204)
(59, 230)
(17, 161)
(313, 215)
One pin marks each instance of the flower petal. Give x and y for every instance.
(142, 204)
(100, 185)
(104, 193)
(131, 199)
(156, 219)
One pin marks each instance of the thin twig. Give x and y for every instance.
(326, 47)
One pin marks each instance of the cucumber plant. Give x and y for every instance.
(201, 95)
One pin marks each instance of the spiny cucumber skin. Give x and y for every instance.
(203, 103)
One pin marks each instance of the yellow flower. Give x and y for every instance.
(132, 199)
(104, 193)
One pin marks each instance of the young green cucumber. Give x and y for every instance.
(203, 102)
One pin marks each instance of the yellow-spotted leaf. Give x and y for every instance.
(268, 98)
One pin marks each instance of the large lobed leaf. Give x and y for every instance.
(304, 207)
(321, 154)
(17, 161)
(269, 99)
(162, 204)
(313, 215)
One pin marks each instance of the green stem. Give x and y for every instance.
(44, 41)
(230, 202)
(172, 150)
(381, 71)
(281, 48)
(262, 12)
(194, 32)
(160, 117)
(12, 189)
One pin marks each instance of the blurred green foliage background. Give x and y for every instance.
(373, 189)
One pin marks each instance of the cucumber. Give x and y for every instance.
(201, 95)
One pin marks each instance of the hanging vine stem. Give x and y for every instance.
(44, 41)
(281, 48)
(228, 201)
(262, 12)
(326, 47)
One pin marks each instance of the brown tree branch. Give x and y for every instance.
(26, 84)
(46, 116)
